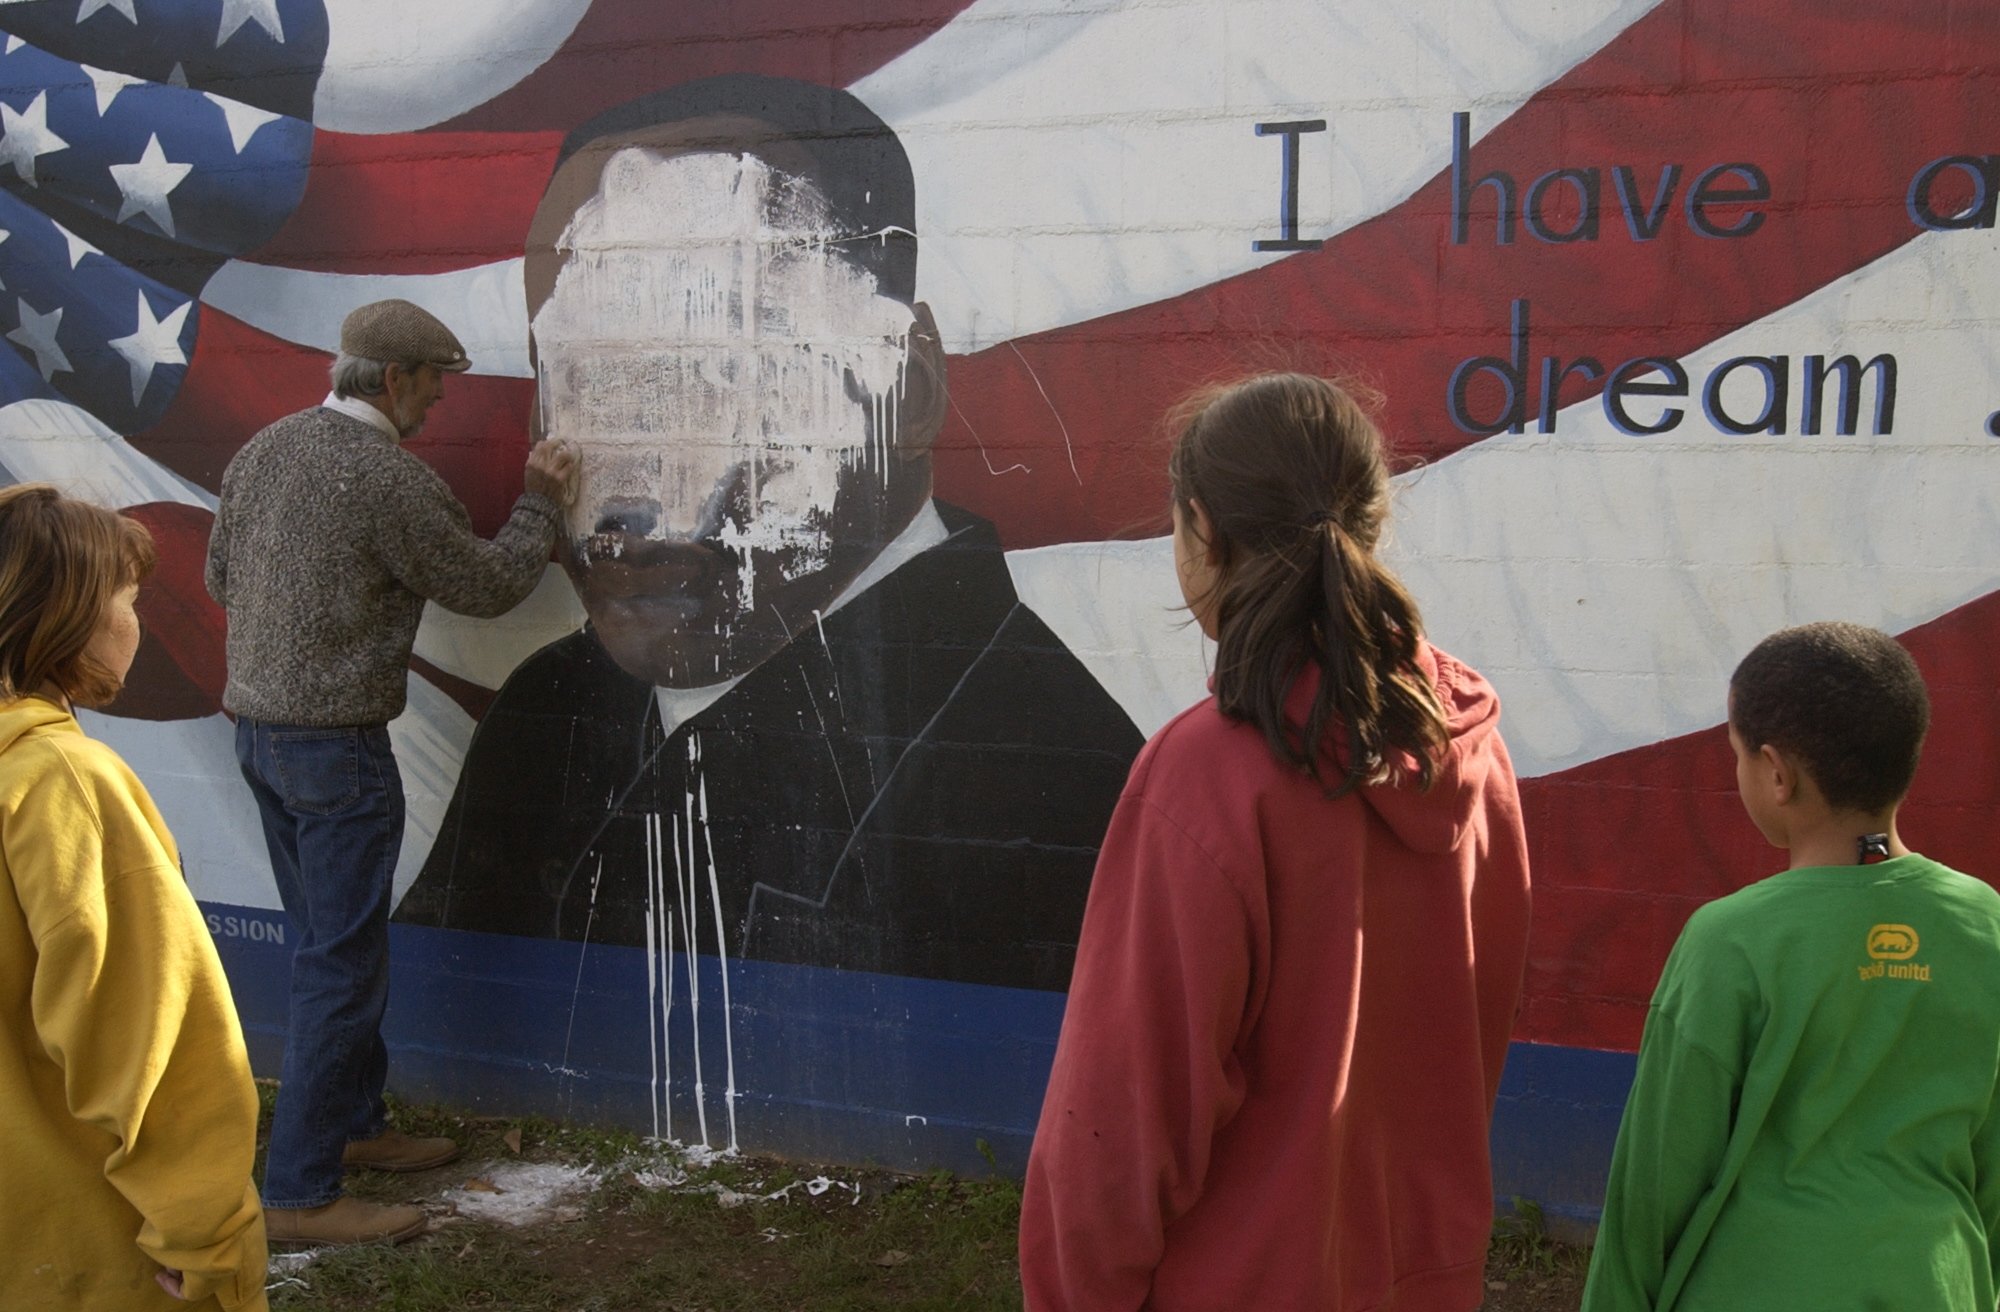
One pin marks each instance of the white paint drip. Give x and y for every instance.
(659, 979)
(1068, 447)
(721, 366)
(693, 963)
(652, 980)
(722, 959)
(667, 973)
(686, 833)
(583, 950)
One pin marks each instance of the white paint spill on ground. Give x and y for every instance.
(666, 1177)
(701, 1156)
(520, 1194)
(675, 1179)
(284, 1270)
(524, 1193)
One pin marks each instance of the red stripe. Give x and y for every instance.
(623, 49)
(241, 379)
(425, 202)
(179, 672)
(181, 667)
(238, 380)
(1839, 104)
(1624, 849)
(414, 202)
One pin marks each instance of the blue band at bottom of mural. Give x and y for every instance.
(805, 1061)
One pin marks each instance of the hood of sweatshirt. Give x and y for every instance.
(1439, 819)
(24, 715)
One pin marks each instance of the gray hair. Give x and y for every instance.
(354, 375)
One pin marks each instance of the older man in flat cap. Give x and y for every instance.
(328, 541)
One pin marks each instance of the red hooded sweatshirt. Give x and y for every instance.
(1285, 1032)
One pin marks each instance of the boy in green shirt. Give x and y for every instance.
(1811, 1127)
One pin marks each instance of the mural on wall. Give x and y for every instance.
(1685, 304)
(817, 679)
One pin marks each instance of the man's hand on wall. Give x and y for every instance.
(554, 471)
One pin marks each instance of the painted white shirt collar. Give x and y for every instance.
(927, 530)
(356, 408)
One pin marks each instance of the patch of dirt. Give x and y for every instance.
(1556, 1291)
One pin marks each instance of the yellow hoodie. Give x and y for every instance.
(128, 1121)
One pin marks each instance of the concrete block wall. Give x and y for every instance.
(1682, 312)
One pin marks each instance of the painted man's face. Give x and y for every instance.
(733, 386)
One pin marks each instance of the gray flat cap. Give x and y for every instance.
(399, 332)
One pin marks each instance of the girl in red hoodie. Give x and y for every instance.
(1305, 937)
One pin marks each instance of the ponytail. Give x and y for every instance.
(1294, 482)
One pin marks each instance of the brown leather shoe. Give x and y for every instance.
(392, 1150)
(342, 1221)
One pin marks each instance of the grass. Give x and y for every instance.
(717, 1241)
(1527, 1270)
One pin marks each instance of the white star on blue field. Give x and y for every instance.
(122, 188)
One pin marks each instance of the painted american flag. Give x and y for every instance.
(196, 190)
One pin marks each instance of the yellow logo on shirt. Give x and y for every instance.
(1892, 942)
(1892, 946)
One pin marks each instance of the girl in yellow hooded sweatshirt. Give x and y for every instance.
(128, 1121)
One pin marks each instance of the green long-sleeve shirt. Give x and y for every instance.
(1812, 1123)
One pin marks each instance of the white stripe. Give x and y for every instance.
(486, 651)
(464, 56)
(189, 767)
(1075, 163)
(1068, 164)
(430, 738)
(1116, 605)
(49, 441)
(485, 306)
(1609, 584)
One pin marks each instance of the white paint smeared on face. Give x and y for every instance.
(726, 375)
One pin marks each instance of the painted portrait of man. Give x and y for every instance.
(804, 683)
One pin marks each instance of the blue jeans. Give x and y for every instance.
(332, 805)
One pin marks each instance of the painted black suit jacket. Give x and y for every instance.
(917, 787)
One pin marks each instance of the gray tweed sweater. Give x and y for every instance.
(328, 541)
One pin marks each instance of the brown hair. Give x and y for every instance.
(1293, 476)
(61, 563)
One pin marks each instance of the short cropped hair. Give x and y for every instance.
(354, 375)
(1846, 701)
(61, 563)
